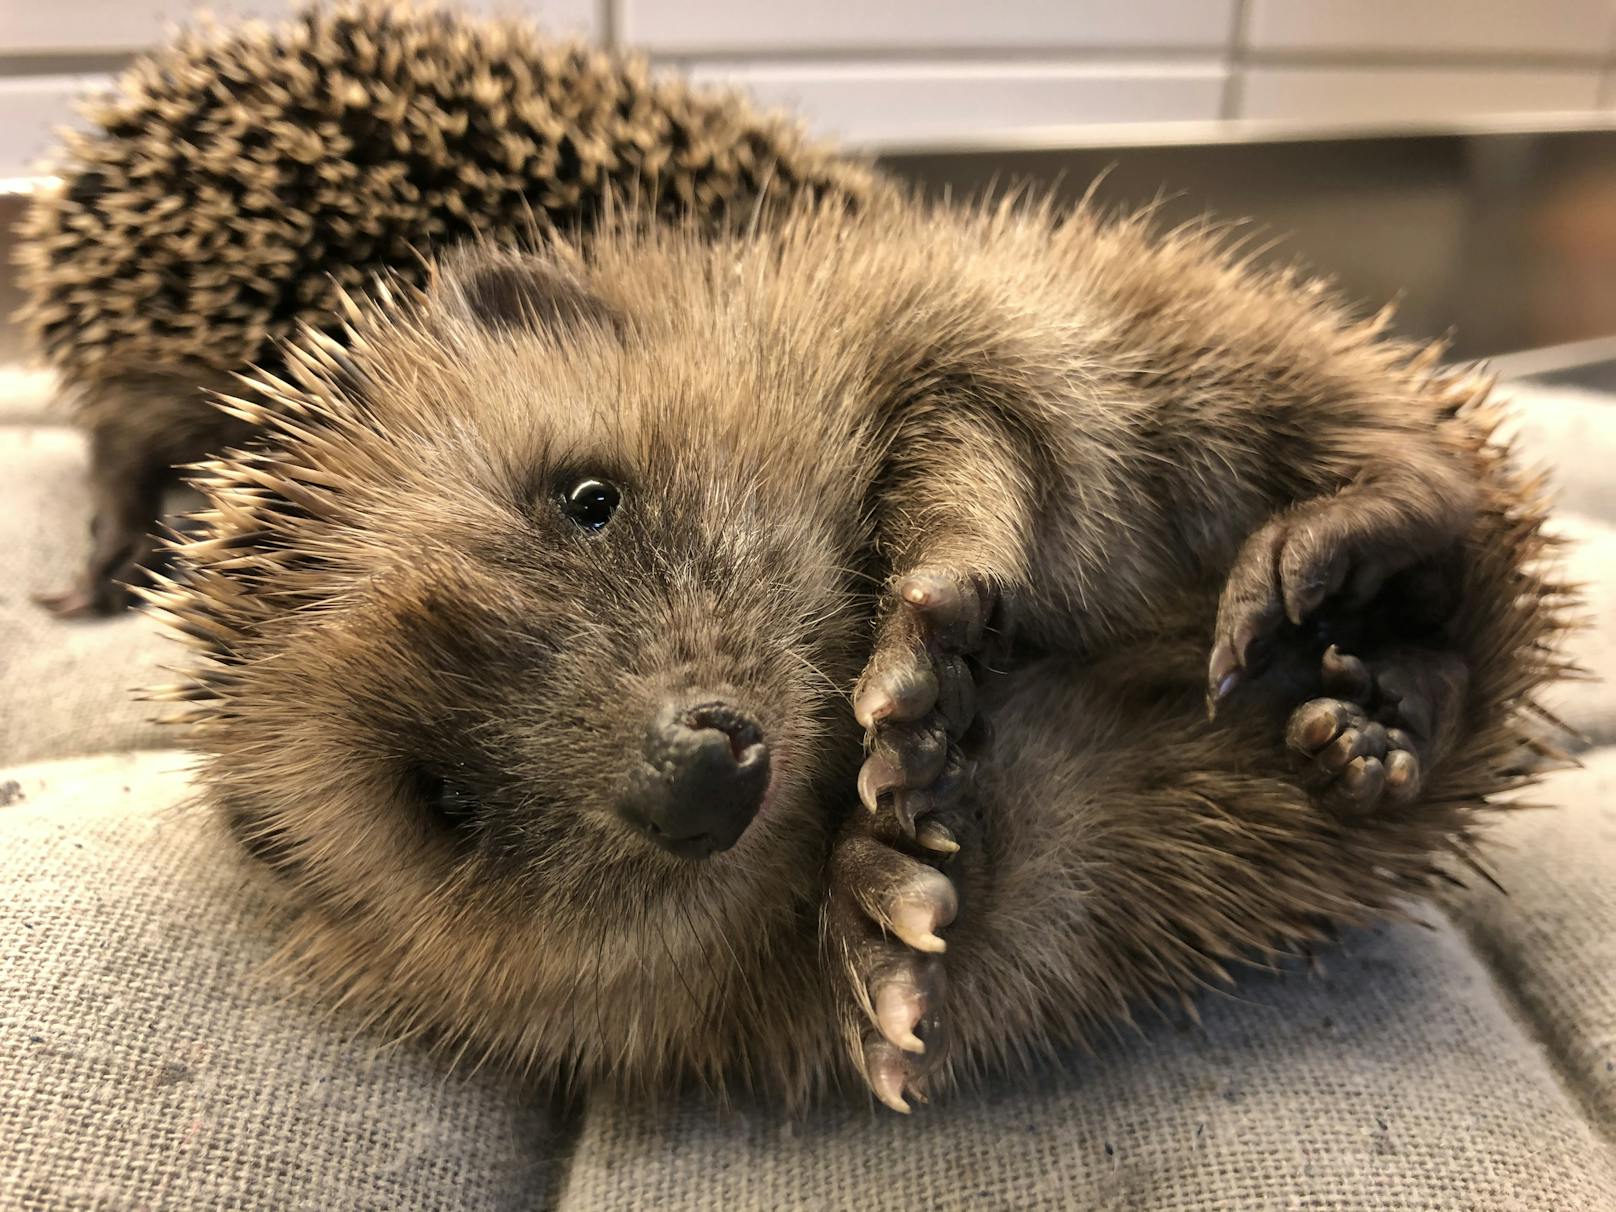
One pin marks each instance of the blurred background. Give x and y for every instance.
(1459, 155)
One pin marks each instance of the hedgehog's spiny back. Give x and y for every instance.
(234, 176)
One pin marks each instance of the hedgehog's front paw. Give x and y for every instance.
(884, 909)
(1368, 743)
(917, 697)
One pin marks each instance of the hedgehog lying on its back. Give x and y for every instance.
(237, 180)
(526, 647)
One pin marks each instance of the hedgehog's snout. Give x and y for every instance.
(699, 779)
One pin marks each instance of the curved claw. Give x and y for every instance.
(928, 904)
(887, 1072)
(912, 804)
(883, 917)
(1345, 676)
(901, 1000)
(878, 775)
(938, 838)
(903, 756)
(897, 1014)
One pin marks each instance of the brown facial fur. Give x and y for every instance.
(1094, 418)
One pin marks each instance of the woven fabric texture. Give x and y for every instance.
(1552, 939)
(1589, 705)
(69, 689)
(1570, 432)
(146, 1061)
(1398, 1080)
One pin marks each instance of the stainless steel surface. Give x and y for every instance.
(1557, 361)
(1220, 131)
(1505, 238)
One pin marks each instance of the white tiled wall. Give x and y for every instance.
(123, 25)
(31, 108)
(38, 36)
(1577, 28)
(896, 71)
(907, 102)
(900, 25)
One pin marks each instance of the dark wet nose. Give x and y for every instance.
(701, 779)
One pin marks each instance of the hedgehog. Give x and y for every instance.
(869, 646)
(237, 179)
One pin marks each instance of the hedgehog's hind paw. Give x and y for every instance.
(884, 913)
(917, 696)
(1371, 743)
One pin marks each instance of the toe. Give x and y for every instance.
(954, 696)
(1402, 776)
(887, 1070)
(1249, 609)
(952, 606)
(1359, 787)
(902, 998)
(1357, 741)
(902, 691)
(913, 804)
(1349, 746)
(926, 904)
(1308, 574)
(902, 895)
(897, 1013)
(1345, 677)
(1316, 724)
(903, 755)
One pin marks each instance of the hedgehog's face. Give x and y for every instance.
(628, 663)
(538, 683)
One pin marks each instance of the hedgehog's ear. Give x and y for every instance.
(531, 295)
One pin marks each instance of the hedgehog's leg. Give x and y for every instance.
(885, 908)
(1340, 550)
(1380, 726)
(127, 491)
(958, 557)
(953, 520)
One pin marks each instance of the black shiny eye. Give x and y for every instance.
(448, 802)
(590, 503)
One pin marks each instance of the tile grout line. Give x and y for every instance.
(1603, 95)
(1234, 82)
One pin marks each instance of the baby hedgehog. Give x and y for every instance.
(236, 180)
(666, 660)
